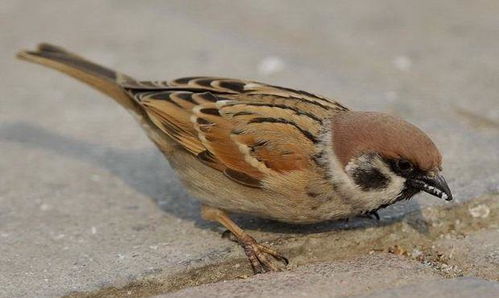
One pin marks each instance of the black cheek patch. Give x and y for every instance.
(370, 179)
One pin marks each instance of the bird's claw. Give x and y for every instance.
(374, 214)
(260, 256)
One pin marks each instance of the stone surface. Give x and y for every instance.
(86, 202)
(459, 287)
(477, 254)
(337, 279)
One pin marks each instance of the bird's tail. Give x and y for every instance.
(101, 78)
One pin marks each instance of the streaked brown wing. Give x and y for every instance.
(171, 111)
(233, 86)
(246, 129)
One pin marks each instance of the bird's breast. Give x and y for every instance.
(297, 197)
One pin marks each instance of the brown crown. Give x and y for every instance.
(355, 133)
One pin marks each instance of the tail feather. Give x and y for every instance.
(101, 78)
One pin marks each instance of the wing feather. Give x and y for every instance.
(248, 130)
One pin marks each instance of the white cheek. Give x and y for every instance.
(369, 199)
(345, 187)
(394, 188)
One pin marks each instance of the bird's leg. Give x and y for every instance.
(260, 256)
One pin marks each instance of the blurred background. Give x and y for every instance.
(76, 171)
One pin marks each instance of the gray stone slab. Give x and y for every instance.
(80, 184)
(459, 287)
(476, 254)
(336, 279)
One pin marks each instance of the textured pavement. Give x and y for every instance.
(88, 206)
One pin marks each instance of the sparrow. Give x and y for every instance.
(273, 152)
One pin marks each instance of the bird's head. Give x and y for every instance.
(385, 155)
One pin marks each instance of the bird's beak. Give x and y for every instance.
(434, 185)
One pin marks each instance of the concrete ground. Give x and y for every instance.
(88, 206)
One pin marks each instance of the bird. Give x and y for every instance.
(242, 146)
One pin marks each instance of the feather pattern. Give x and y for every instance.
(248, 130)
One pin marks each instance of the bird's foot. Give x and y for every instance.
(372, 215)
(260, 256)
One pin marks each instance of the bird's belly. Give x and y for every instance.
(213, 188)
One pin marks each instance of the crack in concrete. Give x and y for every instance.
(411, 237)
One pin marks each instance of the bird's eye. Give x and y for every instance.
(404, 166)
